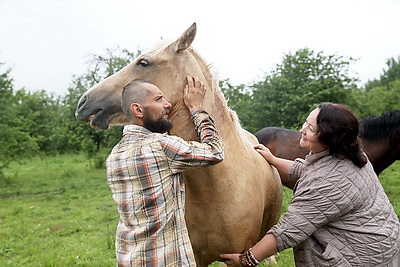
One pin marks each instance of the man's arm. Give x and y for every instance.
(190, 154)
(194, 93)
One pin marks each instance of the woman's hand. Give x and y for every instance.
(265, 152)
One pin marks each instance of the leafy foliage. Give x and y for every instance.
(382, 94)
(239, 99)
(36, 122)
(389, 75)
(302, 81)
(15, 141)
(36, 110)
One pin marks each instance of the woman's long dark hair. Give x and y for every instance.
(338, 129)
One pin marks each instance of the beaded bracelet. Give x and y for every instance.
(247, 259)
(251, 255)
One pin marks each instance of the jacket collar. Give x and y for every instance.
(313, 157)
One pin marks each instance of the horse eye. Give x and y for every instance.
(143, 63)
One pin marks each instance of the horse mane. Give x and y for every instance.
(386, 125)
(212, 75)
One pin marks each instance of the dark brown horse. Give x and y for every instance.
(283, 143)
(380, 138)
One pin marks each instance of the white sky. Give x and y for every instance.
(46, 42)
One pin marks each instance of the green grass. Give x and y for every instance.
(58, 211)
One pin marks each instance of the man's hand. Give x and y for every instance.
(194, 93)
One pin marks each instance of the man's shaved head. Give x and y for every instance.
(134, 92)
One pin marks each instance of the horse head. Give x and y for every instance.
(166, 66)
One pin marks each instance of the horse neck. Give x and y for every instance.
(214, 103)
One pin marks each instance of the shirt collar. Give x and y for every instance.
(135, 129)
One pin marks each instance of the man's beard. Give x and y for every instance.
(160, 125)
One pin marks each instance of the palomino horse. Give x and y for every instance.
(379, 135)
(230, 205)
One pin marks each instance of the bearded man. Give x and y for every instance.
(144, 173)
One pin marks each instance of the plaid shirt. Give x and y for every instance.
(144, 172)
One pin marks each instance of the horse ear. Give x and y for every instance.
(186, 39)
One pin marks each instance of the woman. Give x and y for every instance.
(339, 214)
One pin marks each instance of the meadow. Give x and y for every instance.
(58, 211)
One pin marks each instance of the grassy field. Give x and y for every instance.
(58, 211)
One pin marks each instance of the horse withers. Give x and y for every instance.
(229, 206)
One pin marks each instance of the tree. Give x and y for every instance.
(38, 113)
(15, 141)
(383, 94)
(380, 99)
(303, 80)
(389, 75)
(239, 100)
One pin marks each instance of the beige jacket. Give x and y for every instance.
(339, 215)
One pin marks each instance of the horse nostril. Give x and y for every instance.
(80, 107)
(82, 102)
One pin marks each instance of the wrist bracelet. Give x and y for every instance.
(247, 259)
(251, 255)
